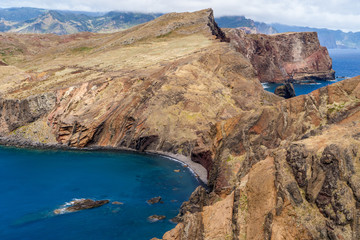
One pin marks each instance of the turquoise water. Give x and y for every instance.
(346, 63)
(34, 183)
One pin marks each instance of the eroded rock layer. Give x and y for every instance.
(282, 56)
(279, 169)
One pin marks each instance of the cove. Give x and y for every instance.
(346, 63)
(36, 182)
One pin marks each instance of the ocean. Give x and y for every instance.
(346, 63)
(35, 182)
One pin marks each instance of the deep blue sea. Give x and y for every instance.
(346, 63)
(33, 183)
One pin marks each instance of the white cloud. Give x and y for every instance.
(333, 14)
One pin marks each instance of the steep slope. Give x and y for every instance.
(288, 171)
(177, 85)
(114, 92)
(282, 56)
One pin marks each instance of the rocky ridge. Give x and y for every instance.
(279, 57)
(280, 169)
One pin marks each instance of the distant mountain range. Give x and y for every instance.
(328, 38)
(34, 20)
(250, 26)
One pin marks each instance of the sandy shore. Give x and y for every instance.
(198, 170)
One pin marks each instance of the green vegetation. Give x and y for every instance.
(10, 51)
(243, 202)
(81, 49)
(336, 107)
(164, 35)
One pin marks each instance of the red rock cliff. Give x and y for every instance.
(278, 57)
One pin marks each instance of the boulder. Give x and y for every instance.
(154, 200)
(155, 218)
(286, 91)
(80, 204)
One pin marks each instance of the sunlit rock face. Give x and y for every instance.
(279, 57)
(285, 169)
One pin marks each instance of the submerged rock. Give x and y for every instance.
(154, 200)
(286, 91)
(80, 204)
(155, 218)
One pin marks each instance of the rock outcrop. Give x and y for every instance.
(277, 168)
(278, 57)
(286, 91)
(155, 218)
(154, 200)
(294, 164)
(80, 204)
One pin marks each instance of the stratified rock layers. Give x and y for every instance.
(282, 56)
(279, 169)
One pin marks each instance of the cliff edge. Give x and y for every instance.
(279, 169)
(279, 57)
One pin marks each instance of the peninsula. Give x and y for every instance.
(180, 85)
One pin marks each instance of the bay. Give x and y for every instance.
(35, 182)
(346, 63)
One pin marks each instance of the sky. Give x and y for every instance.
(332, 14)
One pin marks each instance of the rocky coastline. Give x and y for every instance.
(275, 168)
(279, 57)
(198, 170)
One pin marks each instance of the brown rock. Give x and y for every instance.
(154, 200)
(81, 204)
(86, 204)
(286, 91)
(278, 57)
(155, 218)
(221, 211)
(282, 169)
(261, 195)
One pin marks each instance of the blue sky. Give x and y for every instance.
(333, 14)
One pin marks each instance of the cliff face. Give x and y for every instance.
(288, 171)
(110, 90)
(285, 169)
(278, 57)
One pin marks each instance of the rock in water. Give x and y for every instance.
(154, 200)
(155, 218)
(80, 204)
(86, 204)
(286, 91)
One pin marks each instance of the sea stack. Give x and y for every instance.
(286, 91)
